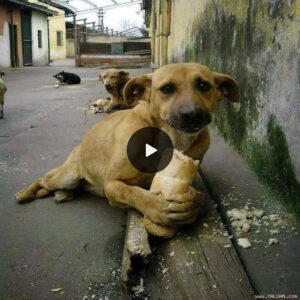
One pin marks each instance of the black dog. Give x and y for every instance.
(67, 78)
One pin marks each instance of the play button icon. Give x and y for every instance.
(150, 150)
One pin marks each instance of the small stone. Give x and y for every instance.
(274, 231)
(205, 225)
(237, 214)
(236, 224)
(56, 290)
(172, 253)
(258, 213)
(272, 241)
(246, 227)
(244, 243)
(273, 217)
(250, 215)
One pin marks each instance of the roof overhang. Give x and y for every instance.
(42, 9)
(67, 8)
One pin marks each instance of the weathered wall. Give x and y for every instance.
(257, 42)
(9, 13)
(4, 39)
(39, 55)
(57, 23)
(70, 48)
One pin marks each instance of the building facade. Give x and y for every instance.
(32, 33)
(23, 33)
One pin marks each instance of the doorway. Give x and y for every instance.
(26, 38)
(13, 39)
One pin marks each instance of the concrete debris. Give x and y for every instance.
(258, 213)
(246, 227)
(242, 220)
(273, 217)
(244, 243)
(272, 241)
(56, 290)
(140, 288)
(274, 231)
(237, 214)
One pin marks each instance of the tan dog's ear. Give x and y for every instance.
(123, 73)
(138, 88)
(100, 78)
(228, 87)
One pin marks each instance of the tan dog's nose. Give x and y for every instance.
(193, 119)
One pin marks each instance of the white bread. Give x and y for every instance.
(173, 180)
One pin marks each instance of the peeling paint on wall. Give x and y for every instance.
(5, 47)
(39, 55)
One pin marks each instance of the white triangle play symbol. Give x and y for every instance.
(150, 150)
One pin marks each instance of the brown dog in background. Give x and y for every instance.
(180, 100)
(114, 81)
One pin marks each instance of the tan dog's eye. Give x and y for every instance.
(202, 86)
(168, 89)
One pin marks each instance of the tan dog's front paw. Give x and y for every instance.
(184, 209)
(158, 230)
(177, 210)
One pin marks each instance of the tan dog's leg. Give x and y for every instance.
(61, 180)
(182, 209)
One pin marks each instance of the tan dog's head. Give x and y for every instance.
(114, 79)
(183, 95)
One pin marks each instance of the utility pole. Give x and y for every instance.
(100, 20)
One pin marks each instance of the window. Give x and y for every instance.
(40, 39)
(59, 38)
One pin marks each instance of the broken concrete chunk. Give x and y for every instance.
(237, 224)
(246, 227)
(237, 214)
(56, 290)
(244, 243)
(258, 213)
(273, 241)
(274, 231)
(273, 217)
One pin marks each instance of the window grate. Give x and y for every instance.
(59, 38)
(40, 45)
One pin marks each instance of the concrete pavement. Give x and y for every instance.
(75, 246)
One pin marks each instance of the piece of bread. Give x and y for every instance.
(99, 105)
(173, 180)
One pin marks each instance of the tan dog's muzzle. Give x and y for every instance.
(189, 119)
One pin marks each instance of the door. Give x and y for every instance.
(14, 59)
(26, 37)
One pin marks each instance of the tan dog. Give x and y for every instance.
(181, 98)
(114, 81)
(2, 92)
